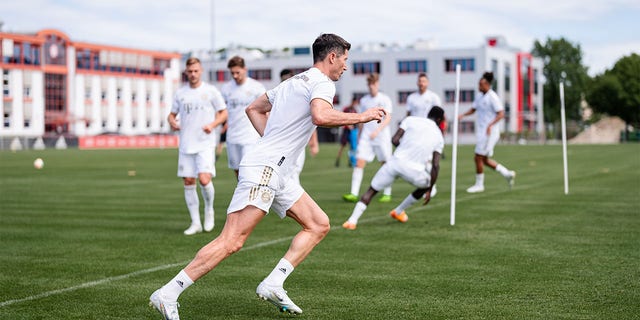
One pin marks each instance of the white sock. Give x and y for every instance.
(208, 194)
(172, 290)
(503, 171)
(480, 179)
(387, 191)
(356, 180)
(193, 204)
(279, 274)
(406, 203)
(358, 210)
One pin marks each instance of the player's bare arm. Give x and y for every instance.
(258, 113)
(385, 122)
(323, 115)
(395, 140)
(435, 169)
(173, 123)
(221, 117)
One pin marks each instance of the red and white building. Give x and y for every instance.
(52, 86)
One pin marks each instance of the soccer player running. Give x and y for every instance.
(285, 117)
(239, 93)
(419, 143)
(200, 109)
(489, 111)
(375, 139)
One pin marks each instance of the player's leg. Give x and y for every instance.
(365, 154)
(509, 175)
(383, 178)
(353, 146)
(237, 228)
(383, 154)
(297, 204)
(206, 170)
(187, 169)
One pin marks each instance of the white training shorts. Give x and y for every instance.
(485, 143)
(235, 152)
(190, 164)
(415, 174)
(368, 149)
(261, 187)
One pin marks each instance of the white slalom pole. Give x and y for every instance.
(564, 139)
(454, 147)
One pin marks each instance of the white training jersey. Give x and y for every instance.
(420, 104)
(197, 107)
(289, 126)
(367, 102)
(238, 97)
(487, 106)
(421, 138)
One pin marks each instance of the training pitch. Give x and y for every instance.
(93, 233)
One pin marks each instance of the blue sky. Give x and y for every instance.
(605, 30)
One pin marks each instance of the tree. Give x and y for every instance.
(616, 92)
(563, 62)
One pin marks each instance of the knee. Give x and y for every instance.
(321, 228)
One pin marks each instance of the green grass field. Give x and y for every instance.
(84, 239)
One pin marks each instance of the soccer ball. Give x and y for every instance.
(38, 163)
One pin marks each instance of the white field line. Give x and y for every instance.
(173, 265)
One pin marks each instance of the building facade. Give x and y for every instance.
(518, 78)
(52, 86)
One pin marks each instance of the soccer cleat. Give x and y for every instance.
(475, 189)
(169, 310)
(193, 229)
(402, 216)
(278, 297)
(511, 179)
(337, 162)
(208, 221)
(349, 226)
(385, 198)
(350, 197)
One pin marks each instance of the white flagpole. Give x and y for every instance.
(564, 139)
(454, 147)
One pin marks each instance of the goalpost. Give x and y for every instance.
(564, 140)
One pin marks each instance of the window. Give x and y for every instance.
(507, 77)
(366, 67)
(466, 64)
(412, 66)
(5, 83)
(535, 81)
(494, 69)
(402, 96)
(465, 95)
(260, 74)
(359, 95)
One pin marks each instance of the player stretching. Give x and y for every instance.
(419, 143)
(200, 108)
(285, 117)
(489, 111)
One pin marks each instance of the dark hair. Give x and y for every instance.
(436, 114)
(422, 74)
(286, 72)
(488, 76)
(373, 77)
(327, 43)
(236, 61)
